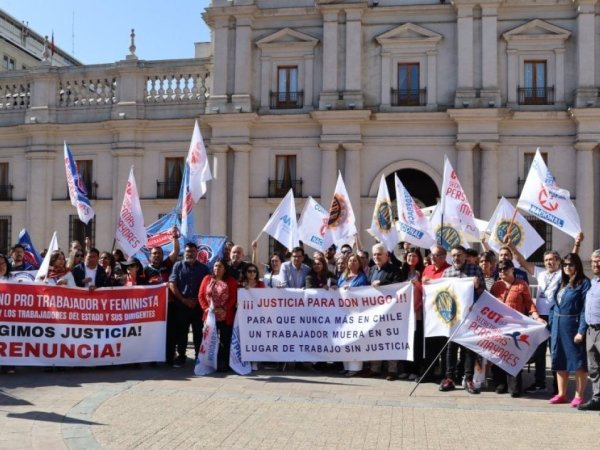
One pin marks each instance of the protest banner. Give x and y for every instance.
(446, 303)
(501, 334)
(42, 325)
(359, 324)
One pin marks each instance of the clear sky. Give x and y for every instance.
(164, 29)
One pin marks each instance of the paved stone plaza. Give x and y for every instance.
(162, 407)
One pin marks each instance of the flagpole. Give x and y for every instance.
(441, 351)
(512, 222)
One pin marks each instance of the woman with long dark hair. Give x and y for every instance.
(219, 291)
(320, 276)
(568, 328)
(58, 272)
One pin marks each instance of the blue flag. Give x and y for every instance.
(77, 190)
(210, 248)
(31, 254)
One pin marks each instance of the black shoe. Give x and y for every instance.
(592, 405)
(536, 389)
(471, 388)
(501, 389)
(179, 361)
(515, 394)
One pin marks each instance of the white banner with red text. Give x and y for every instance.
(500, 334)
(357, 324)
(43, 325)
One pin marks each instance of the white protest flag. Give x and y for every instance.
(523, 235)
(412, 224)
(542, 198)
(502, 335)
(43, 270)
(199, 167)
(446, 234)
(282, 225)
(455, 206)
(341, 225)
(235, 354)
(446, 302)
(382, 225)
(206, 363)
(312, 225)
(131, 233)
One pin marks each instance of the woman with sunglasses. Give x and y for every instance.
(568, 328)
(514, 293)
(249, 278)
(75, 257)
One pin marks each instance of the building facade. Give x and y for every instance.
(294, 91)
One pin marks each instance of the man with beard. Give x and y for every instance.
(184, 283)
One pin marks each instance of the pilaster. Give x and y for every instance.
(585, 194)
(464, 167)
(241, 194)
(218, 192)
(328, 171)
(488, 198)
(352, 178)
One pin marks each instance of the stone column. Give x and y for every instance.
(241, 193)
(38, 208)
(353, 50)
(512, 76)
(464, 168)
(431, 78)
(489, 179)
(330, 51)
(585, 43)
(217, 192)
(464, 26)
(489, 43)
(221, 47)
(243, 61)
(328, 172)
(352, 177)
(585, 193)
(559, 89)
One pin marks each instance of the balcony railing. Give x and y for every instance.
(279, 188)
(167, 189)
(6, 192)
(409, 97)
(93, 93)
(287, 100)
(92, 191)
(536, 95)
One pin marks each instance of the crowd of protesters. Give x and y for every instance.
(566, 300)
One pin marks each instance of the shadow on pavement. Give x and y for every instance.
(9, 400)
(42, 416)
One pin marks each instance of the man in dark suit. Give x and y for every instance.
(88, 273)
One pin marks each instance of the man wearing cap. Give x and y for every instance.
(592, 335)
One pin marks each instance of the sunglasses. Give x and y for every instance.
(568, 264)
(251, 271)
(78, 255)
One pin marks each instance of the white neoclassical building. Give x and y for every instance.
(293, 91)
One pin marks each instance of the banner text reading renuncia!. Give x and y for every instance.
(44, 325)
(358, 324)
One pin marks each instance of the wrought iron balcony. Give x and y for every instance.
(536, 95)
(409, 97)
(6, 192)
(167, 189)
(287, 100)
(279, 188)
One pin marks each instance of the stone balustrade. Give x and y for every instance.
(131, 89)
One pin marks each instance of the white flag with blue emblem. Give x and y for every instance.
(446, 302)
(382, 225)
(312, 225)
(341, 226)
(523, 235)
(283, 225)
(447, 234)
(541, 197)
(412, 224)
(235, 354)
(500, 334)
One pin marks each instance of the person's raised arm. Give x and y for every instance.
(577, 244)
